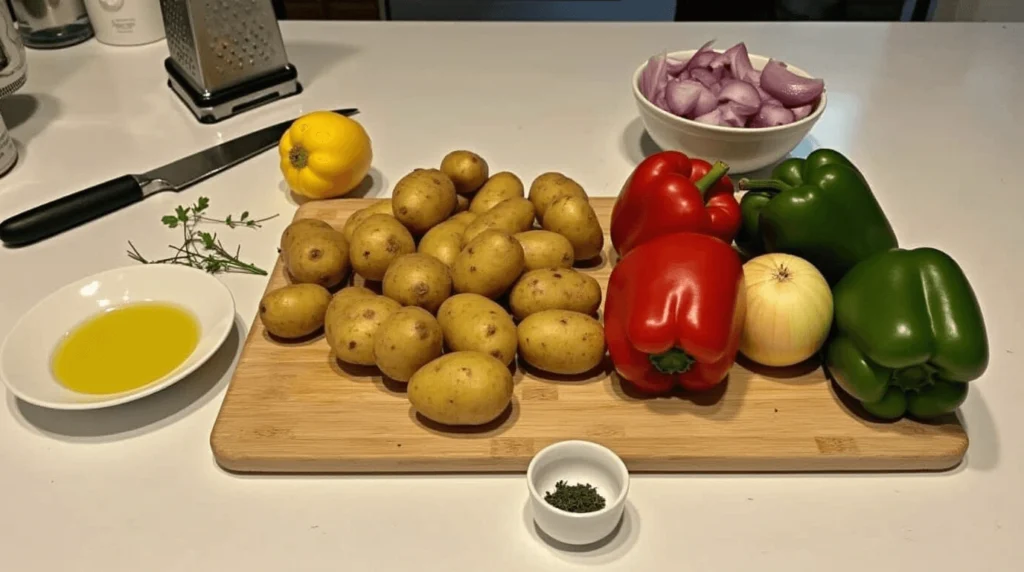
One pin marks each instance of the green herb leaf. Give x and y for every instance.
(215, 258)
(576, 498)
(207, 239)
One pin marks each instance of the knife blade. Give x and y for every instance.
(73, 210)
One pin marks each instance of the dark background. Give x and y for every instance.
(715, 10)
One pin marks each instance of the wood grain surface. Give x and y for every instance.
(292, 407)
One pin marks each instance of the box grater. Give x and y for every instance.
(226, 56)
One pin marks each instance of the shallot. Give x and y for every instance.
(787, 87)
(713, 117)
(682, 96)
(743, 95)
(704, 76)
(772, 116)
(723, 88)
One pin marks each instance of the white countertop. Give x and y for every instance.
(930, 112)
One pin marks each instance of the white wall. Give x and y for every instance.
(980, 10)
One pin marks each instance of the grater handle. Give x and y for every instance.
(70, 211)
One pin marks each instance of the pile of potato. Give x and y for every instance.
(438, 261)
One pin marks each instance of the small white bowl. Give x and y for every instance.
(744, 149)
(578, 462)
(25, 357)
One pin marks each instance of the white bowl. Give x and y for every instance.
(744, 149)
(578, 462)
(25, 357)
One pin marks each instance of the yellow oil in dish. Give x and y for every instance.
(125, 347)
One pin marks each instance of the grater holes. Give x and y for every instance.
(236, 39)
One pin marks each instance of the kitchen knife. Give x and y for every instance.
(78, 208)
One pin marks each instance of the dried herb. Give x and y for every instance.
(575, 498)
(201, 249)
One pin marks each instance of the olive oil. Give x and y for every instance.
(125, 347)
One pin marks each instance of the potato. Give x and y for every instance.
(350, 330)
(510, 215)
(562, 342)
(356, 218)
(443, 242)
(463, 218)
(467, 170)
(422, 199)
(418, 280)
(341, 300)
(501, 186)
(342, 297)
(489, 264)
(317, 256)
(461, 203)
(300, 227)
(574, 218)
(471, 322)
(377, 242)
(550, 186)
(461, 388)
(295, 310)
(406, 341)
(554, 289)
(545, 249)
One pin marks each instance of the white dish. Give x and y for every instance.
(743, 149)
(578, 462)
(26, 354)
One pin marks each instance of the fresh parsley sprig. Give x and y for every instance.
(202, 249)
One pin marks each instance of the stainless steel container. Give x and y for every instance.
(227, 56)
(12, 77)
(52, 23)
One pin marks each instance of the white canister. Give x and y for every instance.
(126, 22)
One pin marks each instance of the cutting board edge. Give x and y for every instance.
(796, 464)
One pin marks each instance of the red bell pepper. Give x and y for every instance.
(674, 312)
(670, 192)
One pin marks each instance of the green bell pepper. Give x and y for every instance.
(820, 209)
(908, 334)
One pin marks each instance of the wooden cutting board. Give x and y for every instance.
(295, 408)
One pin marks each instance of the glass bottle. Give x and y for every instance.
(52, 23)
(12, 77)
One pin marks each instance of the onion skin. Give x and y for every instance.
(739, 63)
(733, 115)
(772, 116)
(675, 67)
(681, 96)
(713, 117)
(792, 90)
(704, 76)
(705, 103)
(789, 310)
(802, 111)
(744, 97)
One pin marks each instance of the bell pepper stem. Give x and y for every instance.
(673, 361)
(715, 174)
(914, 378)
(770, 185)
(298, 157)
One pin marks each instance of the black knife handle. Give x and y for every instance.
(70, 211)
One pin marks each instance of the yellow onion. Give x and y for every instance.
(789, 310)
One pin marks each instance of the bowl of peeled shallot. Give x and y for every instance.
(744, 109)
